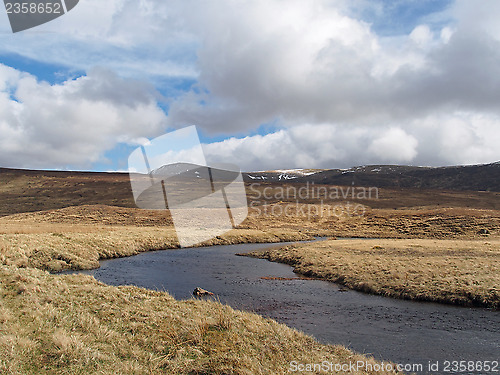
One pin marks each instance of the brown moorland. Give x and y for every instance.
(461, 272)
(442, 243)
(75, 325)
(54, 324)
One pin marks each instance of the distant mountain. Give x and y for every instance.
(485, 177)
(35, 190)
(170, 170)
(190, 171)
(182, 183)
(282, 175)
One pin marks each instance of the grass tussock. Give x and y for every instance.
(448, 271)
(54, 324)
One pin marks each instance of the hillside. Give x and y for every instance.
(29, 191)
(471, 186)
(484, 177)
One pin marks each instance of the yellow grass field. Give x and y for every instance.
(78, 237)
(60, 324)
(52, 324)
(462, 272)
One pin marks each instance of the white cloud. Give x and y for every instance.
(316, 65)
(455, 138)
(74, 123)
(144, 39)
(341, 94)
(446, 34)
(458, 138)
(480, 20)
(394, 145)
(421, 35)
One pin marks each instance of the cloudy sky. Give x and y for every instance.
(269, 83)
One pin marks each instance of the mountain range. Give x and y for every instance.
(483, 177)
(23, 190)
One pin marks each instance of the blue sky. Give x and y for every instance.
(399, 17)
(270, 84)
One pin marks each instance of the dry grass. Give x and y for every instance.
(78, 237)
(463, 272)
(30, 191)
(99, 214)
(55, 248)
(54, 324)
(417, 222)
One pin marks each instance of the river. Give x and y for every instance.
(401, 331)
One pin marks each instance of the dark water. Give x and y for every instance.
(401, 331)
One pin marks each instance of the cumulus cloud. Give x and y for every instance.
(421, 35)
(458, 138)
(317, 65)
(73, 123)
(394, 145)
(339, 93)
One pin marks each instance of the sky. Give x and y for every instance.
(270, 84)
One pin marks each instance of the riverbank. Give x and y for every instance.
(460, 272)
(72, 324)
(77, 238)
(54, 324)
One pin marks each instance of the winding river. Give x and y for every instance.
(404, 332)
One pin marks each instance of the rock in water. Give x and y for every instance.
(199, 292)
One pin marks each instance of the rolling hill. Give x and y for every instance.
(485, 177)
(35, 190)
